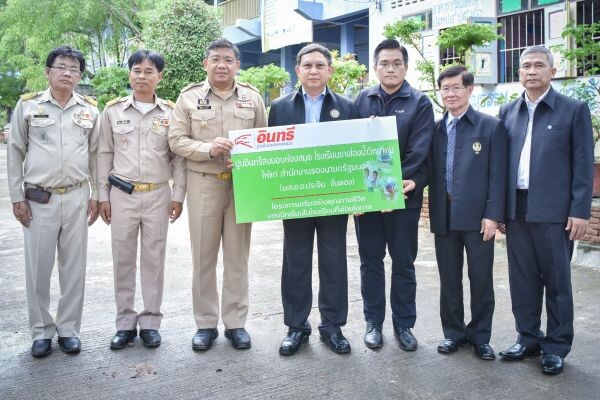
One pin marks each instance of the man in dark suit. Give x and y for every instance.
(398, 229)
(549, 192)
(467, 188)
(313, 102)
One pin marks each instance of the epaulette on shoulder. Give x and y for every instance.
(115, 101)
(29, 96)
(91, 101)
(191, 85)
(249, 86)
(167, 103)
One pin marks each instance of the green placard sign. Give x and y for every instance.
(311, 170)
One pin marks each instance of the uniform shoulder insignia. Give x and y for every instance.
(249, 86)
(191, 85)
(91, 101)
(171, 104)
(115, 101)
(29, 96)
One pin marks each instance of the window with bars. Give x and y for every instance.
(588, 12)
(511, 6)
(400, 3)
(519, 31)
(448, 56)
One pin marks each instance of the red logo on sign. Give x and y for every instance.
(243, 140)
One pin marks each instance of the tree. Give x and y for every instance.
(110, 83)
(587, 56)
(181, 31)
(101, 29)
(347, 74)
(265, 78)
(463, 38)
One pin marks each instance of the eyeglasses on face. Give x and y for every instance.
(63, 69)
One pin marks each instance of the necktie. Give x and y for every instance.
(450, 153)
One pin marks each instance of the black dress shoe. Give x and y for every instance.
(70, 345)
(552, 364)
(150, 337)
(122, 339)
(485, 352)
(449, 346)
(41, 347)
(203, 339)
(240, 339)
(517, 352)
(373, 336)
(292, 342)
(336, 342)
(406, 340)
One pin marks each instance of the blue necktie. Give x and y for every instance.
(450, 153)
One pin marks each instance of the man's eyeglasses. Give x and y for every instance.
(63, 68)
(455, 90)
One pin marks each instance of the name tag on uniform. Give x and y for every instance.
(203, 107)
(123, 122)
(244, 103)
(41, 116)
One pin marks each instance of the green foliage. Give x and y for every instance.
(11, 86)
(464, 37)
(587, 52)
(265, 78)
(181, 30)
(110, 83)
(99, 28)
(461, 37)
(346, 75)
(587, 55)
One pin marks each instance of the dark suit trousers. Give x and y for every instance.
(449, 250)
(538, 259)
(398, 230)
(296, 276)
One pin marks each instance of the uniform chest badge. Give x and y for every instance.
(244, 102)
(549, 126)
(334, 113)
(476, 147)
(204, 123)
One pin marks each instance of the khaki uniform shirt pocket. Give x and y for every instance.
(81, 130)
(160, 139)
(39, 127)
(122, 136)
(203, 123)
(244, 117)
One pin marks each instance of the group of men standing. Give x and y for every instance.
(483, 174)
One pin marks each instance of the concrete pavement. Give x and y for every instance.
(174, 371)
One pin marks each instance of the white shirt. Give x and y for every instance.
(523, 170)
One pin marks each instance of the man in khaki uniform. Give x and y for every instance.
(51, 157)
(203, 116)
(134, 148)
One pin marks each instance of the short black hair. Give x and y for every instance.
(139, 56)
(65, 51)
(222, 44)
(309, 48)
(389, 44)
(467, 77)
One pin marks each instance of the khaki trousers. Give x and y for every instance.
(211, 214)
(144, 215)
(58, 231)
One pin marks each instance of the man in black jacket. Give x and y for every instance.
(313, 102)
(467, 187)
(397, 229)
(549, 193)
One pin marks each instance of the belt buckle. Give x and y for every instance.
(143, 187)
(61, 190)
(224, 176)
